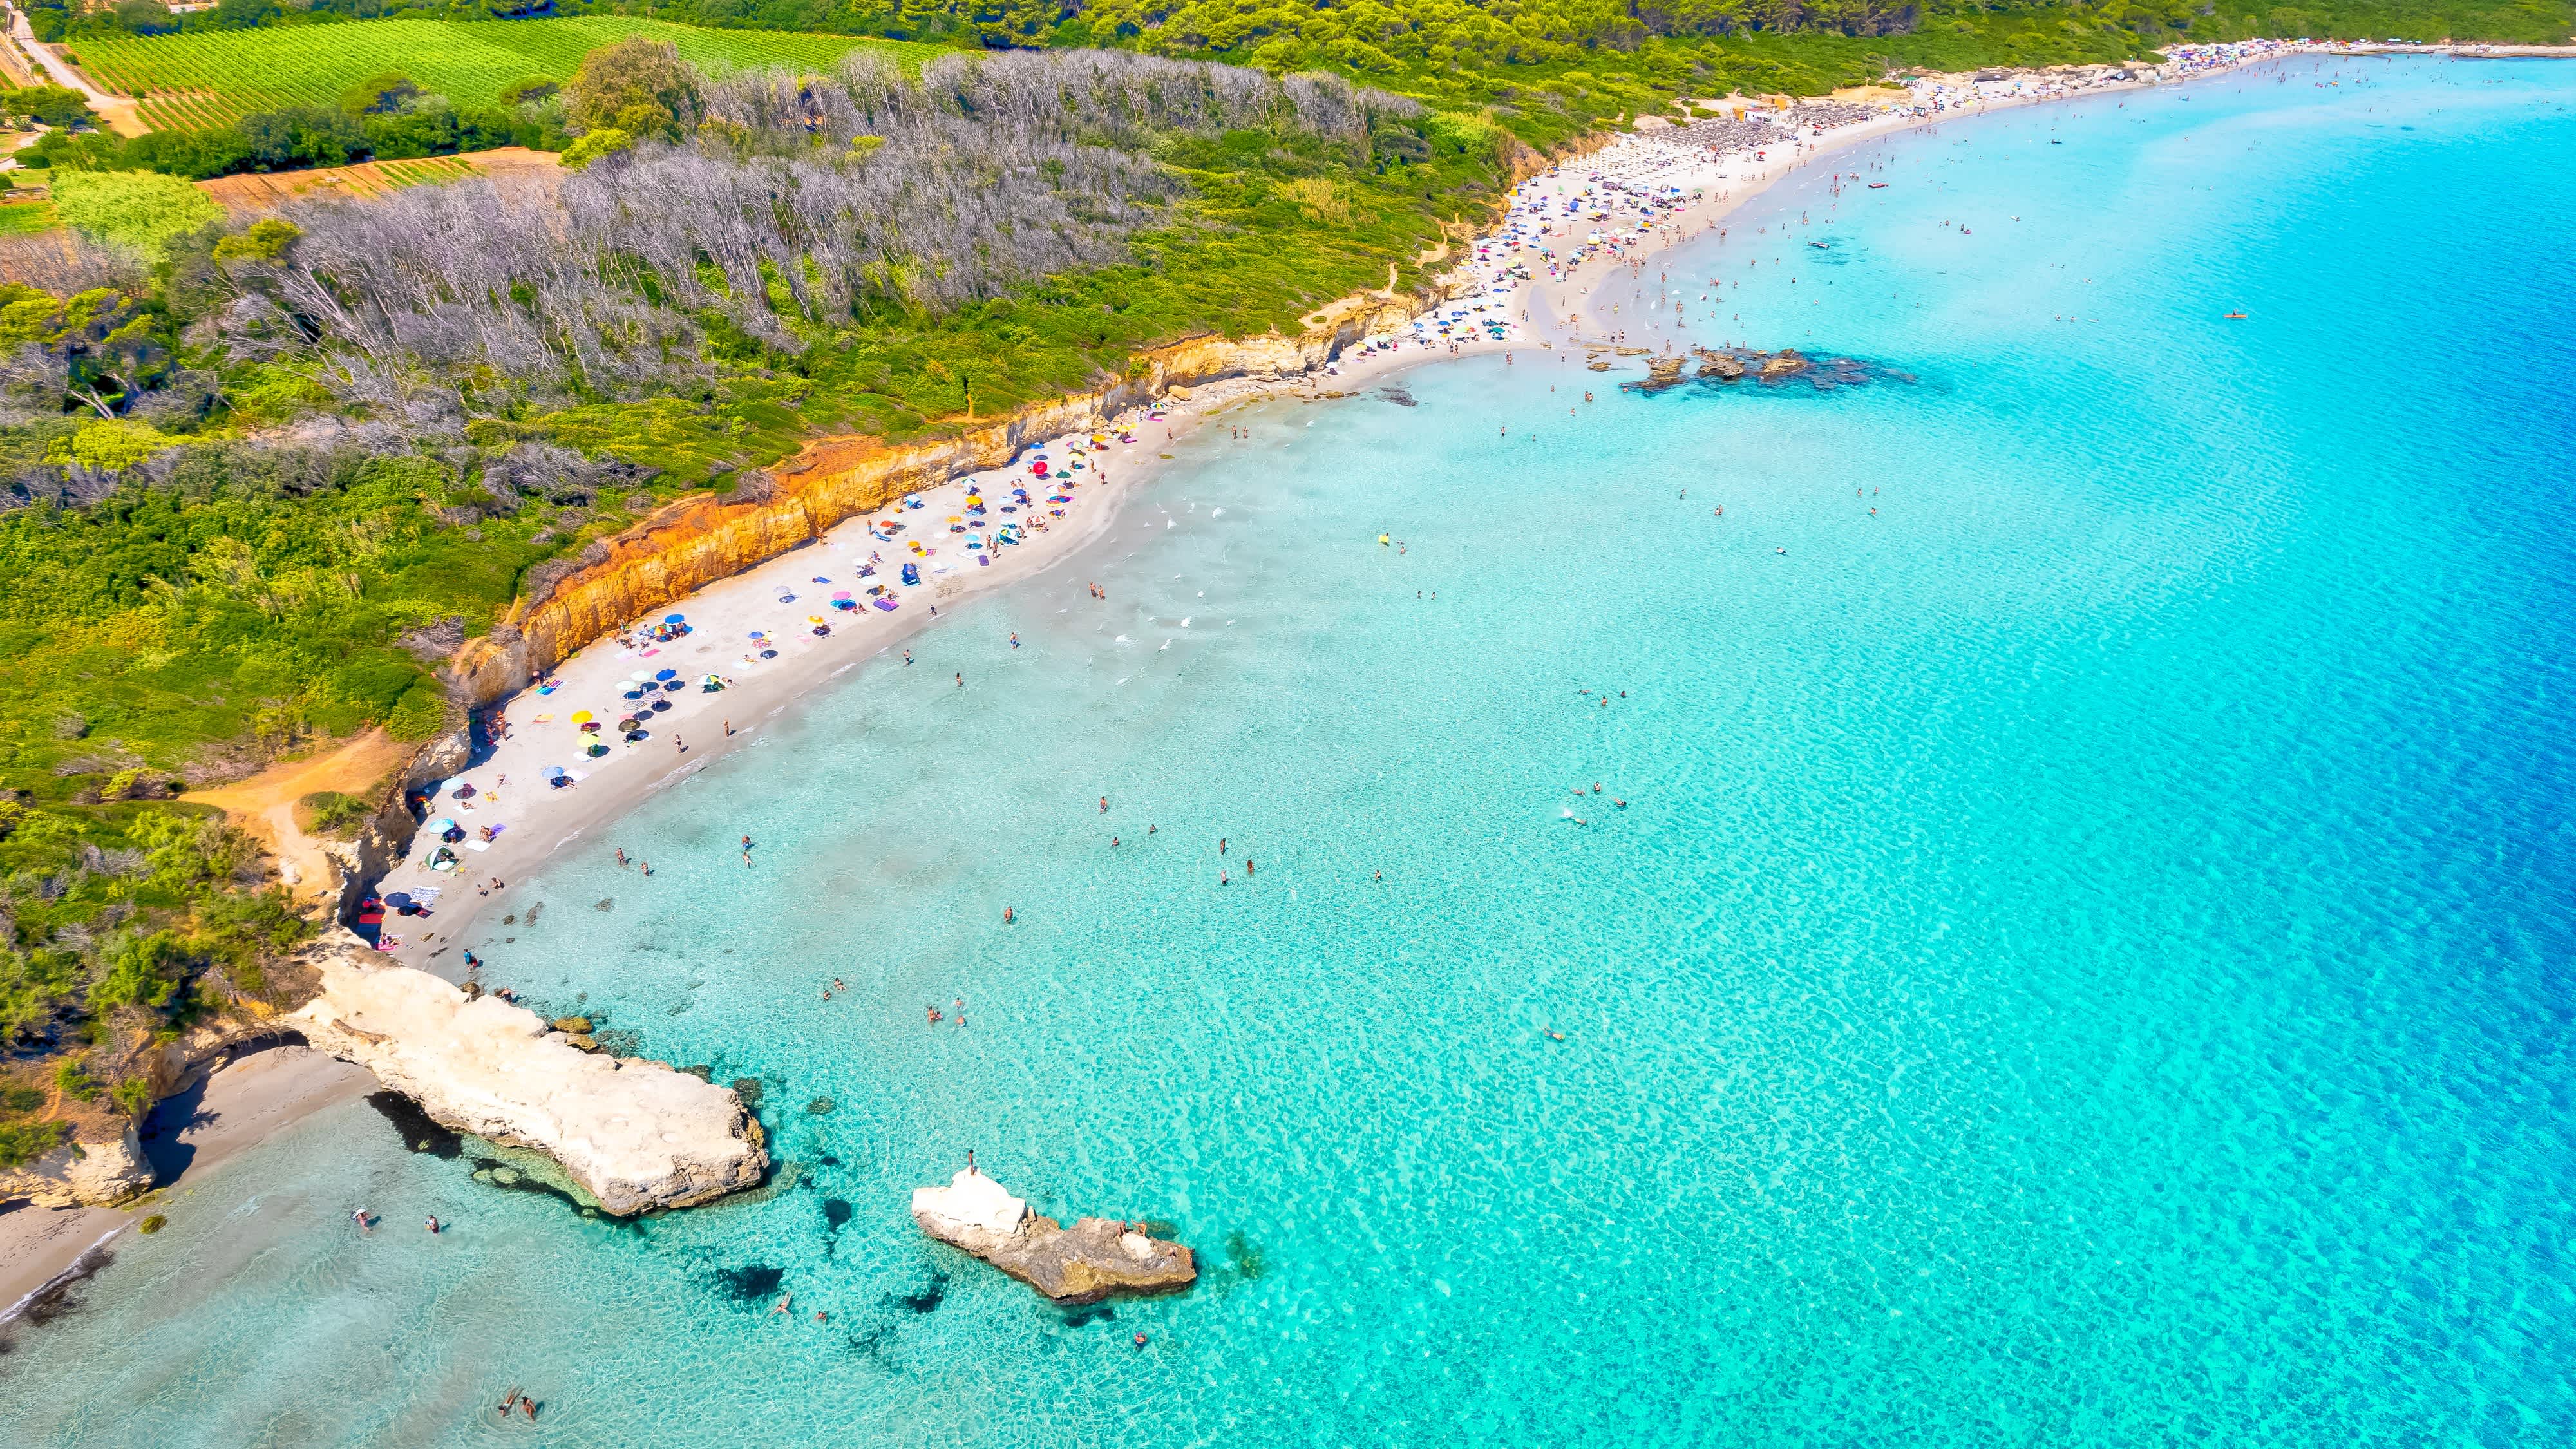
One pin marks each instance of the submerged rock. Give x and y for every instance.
(1082, 1264)
(635, 1135)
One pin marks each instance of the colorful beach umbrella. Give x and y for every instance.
(581, 716)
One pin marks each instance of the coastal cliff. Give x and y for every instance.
(636, 1135)
(697, 540)
(1082, 1264)
(82, 1174)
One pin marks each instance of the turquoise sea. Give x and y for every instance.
(2084, 960)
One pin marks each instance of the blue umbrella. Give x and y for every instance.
(552, 772)
(666, 674)
(673, 618)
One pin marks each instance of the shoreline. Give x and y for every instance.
(43, 1250)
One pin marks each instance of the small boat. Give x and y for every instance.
(1878, 186)
(2235, 317)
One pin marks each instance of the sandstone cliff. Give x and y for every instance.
(634, 1134)
(1082, 1264)
(699, 539)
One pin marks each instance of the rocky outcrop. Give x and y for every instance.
(636, 1135)
(82, 1174)
(1082, 1264)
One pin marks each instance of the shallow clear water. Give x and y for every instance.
(2084, 959)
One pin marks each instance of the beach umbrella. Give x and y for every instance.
(581, 716)
(661, 704)
(597, 750)
(768, 653)
(666, 674)
(398, 899)
(591, 728)
(673, 618)
(442, 824)
(552, 772)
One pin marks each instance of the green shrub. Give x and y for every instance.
(328, 812)
(143, 971)
(140, 212)
(24, 1142)
(74, 1082)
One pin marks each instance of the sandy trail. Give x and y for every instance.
(264, 804)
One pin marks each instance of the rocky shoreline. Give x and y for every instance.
(636, 1135)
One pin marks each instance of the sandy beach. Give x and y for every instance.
(771, 610)
(42, 1250)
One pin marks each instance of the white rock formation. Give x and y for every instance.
(973, 1211)
(635, 1134)
(1081, 1264)
(81, 1174)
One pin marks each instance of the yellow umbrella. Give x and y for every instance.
(581, 716)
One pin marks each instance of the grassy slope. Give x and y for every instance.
(215, 77)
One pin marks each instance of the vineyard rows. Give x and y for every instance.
(213, 78)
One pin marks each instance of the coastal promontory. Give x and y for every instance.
(1085, 1263)
(635, 1134)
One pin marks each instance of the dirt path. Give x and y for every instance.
(118, 112)
(264, 804)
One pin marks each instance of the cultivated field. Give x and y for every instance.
(192, 82)
(253, 193)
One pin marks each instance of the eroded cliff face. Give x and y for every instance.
(97, 1173)
(697, 540)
